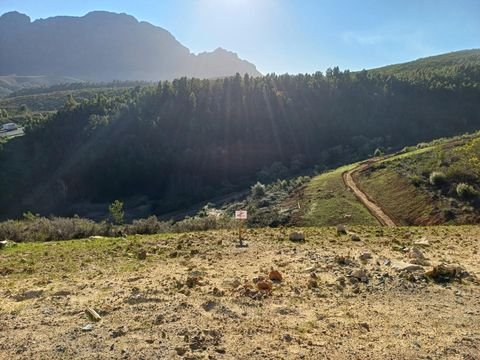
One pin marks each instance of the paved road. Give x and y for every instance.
(374, 209)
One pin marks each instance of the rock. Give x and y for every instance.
(142, 255)
(192, 281)
(27, 295)
(275, 275)
(264, 285)
(417, 257)
(365, 326)
(422, 242)
(312, 283)
(209, 305)
(354, 237)
(87, 328)
(118, 332)
(446, 273)
(3, 244)
(180, 350)
(296, 237)
(341, 230)
(364, 256)
(415, 253)
(403, 266)
(287, 338)
(359, 274)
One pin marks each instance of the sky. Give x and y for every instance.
(297, 36)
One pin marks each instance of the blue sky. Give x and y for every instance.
(297, 36)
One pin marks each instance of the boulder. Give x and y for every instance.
(296, 236)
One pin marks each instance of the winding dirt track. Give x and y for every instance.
(374, 209)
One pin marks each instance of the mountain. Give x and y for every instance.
(104, 46)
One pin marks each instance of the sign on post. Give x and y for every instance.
(241, 215)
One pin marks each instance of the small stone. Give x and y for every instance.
(422, 242)
(88, 327)
(118, 332)
(180, 351)
(364, 256)
(264, 285)
(192, 281)
(402, 266)
(415, 253)
(341, 230)
(365, 326)
(275, 275)
(360, 274)
(287, 338)
(209, 305)
(312, 283)
(354, 237)
(296, 237)
(142, 255)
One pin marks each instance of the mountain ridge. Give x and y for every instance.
(105, 46)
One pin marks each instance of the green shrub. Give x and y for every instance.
(466, 191)
(150, 225)
(437, 178)
(116, 212)
(45, 229)
(258, 190)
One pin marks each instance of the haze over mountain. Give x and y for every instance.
(103, 46)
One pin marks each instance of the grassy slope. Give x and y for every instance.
(432, 64)
(389, 185)
(326, 201)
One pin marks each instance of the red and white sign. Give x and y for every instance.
(241, 214)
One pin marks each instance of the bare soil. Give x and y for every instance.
(195, 296)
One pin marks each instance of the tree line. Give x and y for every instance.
(184, 141)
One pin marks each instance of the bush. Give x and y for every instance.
(258, 190)
(116, 212)
(150, 225)
(466, 191)
(45, 229)
(437, 178)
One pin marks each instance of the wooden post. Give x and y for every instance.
(241, 216)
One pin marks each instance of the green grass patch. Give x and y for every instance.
(327, 201)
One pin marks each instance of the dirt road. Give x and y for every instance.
(376, 210)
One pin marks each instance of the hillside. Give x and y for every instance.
(402, 185)
(12, 83)
(434, 185)
(459, 68)
(118, 47)
(219, 135)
